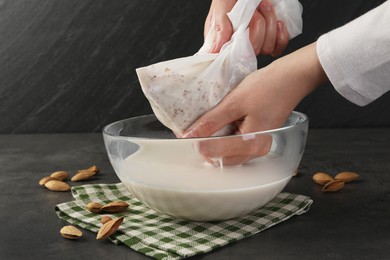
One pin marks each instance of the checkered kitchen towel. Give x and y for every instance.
(163, 237)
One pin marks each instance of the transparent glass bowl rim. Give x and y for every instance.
(303, 118)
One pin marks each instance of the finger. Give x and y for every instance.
(267, 10)
(222, 25)
(236, 160)
(207, 25)
(224, 30)
(240, 147)
(224, 113)
(282, 39)
(257, 28)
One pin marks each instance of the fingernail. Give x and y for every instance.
(216, 162)
(212, 49)
(279, 27)
(196, 145)
(189, 134)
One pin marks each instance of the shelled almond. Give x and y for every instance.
(56, 185)
(109, 228)
(70, 232)
(112, 207)
(322, 178)
(115, 207)
(94, 207)
(346, 176)
(334, 184)
(92, 168)
(45, 179)
(83, 175)
(60, 175)
(56, 180)
(105, 219)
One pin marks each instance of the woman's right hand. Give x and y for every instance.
(262, 101)
(267, 35)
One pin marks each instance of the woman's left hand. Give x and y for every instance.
(267, 35)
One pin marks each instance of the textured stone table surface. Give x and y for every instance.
(351, 224)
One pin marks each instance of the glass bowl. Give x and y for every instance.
(170, 175)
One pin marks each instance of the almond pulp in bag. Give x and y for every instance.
(182, 90)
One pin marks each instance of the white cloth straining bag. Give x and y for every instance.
(182, 90)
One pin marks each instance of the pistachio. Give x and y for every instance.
(94, 207)
(346, 176)
(71, 232)
(115, 207)
(56, 185)
(60, 175)
(83, 175)
(45, 179)
(333, 186)
(322, 178)
(105, 219)
(109, 228)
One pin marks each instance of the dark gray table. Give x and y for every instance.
(351, 224)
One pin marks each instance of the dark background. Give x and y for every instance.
(68, 65)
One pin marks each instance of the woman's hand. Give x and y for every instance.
(267, 35)
(262, 101)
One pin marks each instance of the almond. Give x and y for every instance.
(56, 185)
(105, 219)
(71, 232)
(60, 175)
(45, 179)
(109, 228)
(92, 168)
(94, 207)
(333, 186)
(83, 175)
(115, 207)
(346, 176)
(322, 178)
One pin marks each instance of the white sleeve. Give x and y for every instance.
(356, 56)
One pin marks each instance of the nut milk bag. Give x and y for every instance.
(182, 90)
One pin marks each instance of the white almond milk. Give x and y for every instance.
(178, 182)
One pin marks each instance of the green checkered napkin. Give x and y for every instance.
(163, 237)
